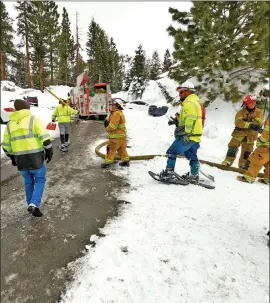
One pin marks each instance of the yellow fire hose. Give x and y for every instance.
(149, 157)
(52, 93)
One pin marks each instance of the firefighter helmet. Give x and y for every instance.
(249, 99)
(119, 103)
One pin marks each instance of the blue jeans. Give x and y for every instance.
(34, 183)
(189, 150)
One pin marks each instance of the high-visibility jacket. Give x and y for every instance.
(264, 139)
(63, 113)
(23, 137)
(117, 125)
(191, 118)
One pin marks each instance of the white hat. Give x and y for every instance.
(189, 85)
(119, 102)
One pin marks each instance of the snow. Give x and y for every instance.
(46, 103)
(174, 243)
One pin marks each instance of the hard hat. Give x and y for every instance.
(188, 85)
(119, 103)
(249, 99)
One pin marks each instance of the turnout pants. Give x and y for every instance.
(118, 145)
(259, 158)
(246, 149)
(34, 183)
(189, 150)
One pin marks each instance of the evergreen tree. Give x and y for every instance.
(39, 41)
(6, 42)
(53, 38)
(66, 50)
(24, 9)
(224, 44)
(155, 68)
(167, 62)
(138, 73)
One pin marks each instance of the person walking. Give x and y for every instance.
(63, 114)
(25, 140)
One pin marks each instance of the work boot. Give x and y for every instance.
(226, 163)
(261, 180)
(105, 165)
(243, 179)
(124, 164)
(34, 210)
(63, 148)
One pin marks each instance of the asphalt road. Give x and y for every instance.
(79, 198)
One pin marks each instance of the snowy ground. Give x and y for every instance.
(46, 103)
(179, 244)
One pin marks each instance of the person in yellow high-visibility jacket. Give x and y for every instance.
(117, 134)
(187, 135)
(25, 140)
(63, 114)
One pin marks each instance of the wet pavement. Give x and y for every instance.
(79, 198)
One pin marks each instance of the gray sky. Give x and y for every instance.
(129, 23)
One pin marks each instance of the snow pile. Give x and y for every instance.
(173, 239)
(46, 102)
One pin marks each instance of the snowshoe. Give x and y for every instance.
(196, 180)
(167, 177)
(124, 164)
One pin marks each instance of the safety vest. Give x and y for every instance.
(117, 125)
(191, 117)
(63, 113)
(24, 134)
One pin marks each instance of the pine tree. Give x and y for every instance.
(17, 68)
(39, 41)
(6, 42)
(138, 73)
(222, 43)
(167, 62)
(155, 68)
(66, 50)
(53, 38)
(24, 9)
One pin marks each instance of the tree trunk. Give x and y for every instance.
(66, 76)
(51, 59)
(3, 66)
(28, 64)
(41, 77)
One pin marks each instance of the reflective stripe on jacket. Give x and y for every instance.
(24, 137)
(117, 125)
(63, 113)
(264, 139)
(191, 117)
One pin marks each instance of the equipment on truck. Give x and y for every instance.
(91, 103)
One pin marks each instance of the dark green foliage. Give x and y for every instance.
(167, 62)
(225, 41)
(155, 67)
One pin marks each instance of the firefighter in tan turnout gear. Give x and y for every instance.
(116, 129)
(247, 123)
(259, 158)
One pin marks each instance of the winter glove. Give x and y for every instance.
(106, 122)
(53, 121)
(255, 127)
(12, 158)
(48, 154)
(172, 122)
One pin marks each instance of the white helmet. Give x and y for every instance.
(118, 102)
(189, 85)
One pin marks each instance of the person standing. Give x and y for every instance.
(63, 114)
(248, 122)
(25, 140)
(187, 134)
(259, 158)
(117, 134)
